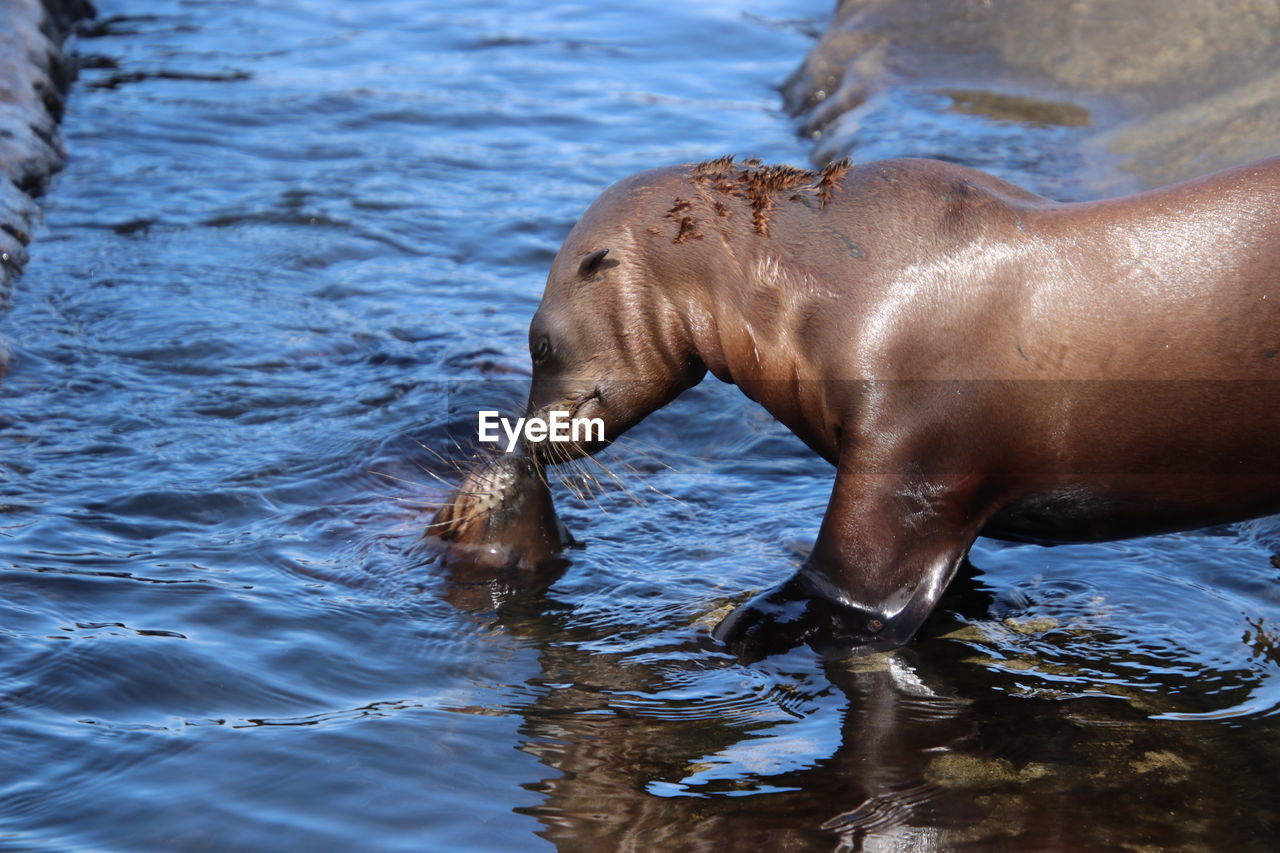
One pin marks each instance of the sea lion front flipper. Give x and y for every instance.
(888, 547)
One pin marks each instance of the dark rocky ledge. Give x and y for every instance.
(1150, 91)
(34, 76)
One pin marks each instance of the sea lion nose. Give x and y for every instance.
(547, 392)
(540, 396)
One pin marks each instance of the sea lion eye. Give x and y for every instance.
(540, 350)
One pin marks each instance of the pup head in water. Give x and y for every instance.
(973, 359)
(500, 517)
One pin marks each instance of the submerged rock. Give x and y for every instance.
(1138, 92)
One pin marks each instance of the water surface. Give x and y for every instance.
(296, 245)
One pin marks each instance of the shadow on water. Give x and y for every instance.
(296, 247)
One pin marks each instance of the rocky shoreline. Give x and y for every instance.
(34, 76)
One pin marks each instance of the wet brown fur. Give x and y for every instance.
(974, 359)
(686, 226)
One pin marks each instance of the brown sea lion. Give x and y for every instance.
(500, 517)
(973, 358)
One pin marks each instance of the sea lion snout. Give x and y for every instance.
(578, 421)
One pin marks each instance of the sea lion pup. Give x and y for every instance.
(973, 358)
(500, 517)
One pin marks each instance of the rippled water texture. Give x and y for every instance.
(296, 245)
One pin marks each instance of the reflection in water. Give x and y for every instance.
(972, 737)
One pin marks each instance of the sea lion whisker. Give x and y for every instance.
(576, 487)
(584, 474)
(589, 484)
(572, 486)
(474, 509)
(472, 455)
(628, 467)
(404, 527)
(400, 479)
(458, 491)
(567, 475)
(563, 479)
(572, 475)
(540, 471)
(618, 480)
(568, 454)
(575, 465)
(456, 522)
(452, 463)
(571, 456)
(415, 502)
(658, 491)
(563, 467)
(595, 499)
(436, 453)
(432, 474)
(641, 475)
(480, 495)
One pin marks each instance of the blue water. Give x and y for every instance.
(295, 244)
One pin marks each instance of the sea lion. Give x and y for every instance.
(973, 358)
(500, 517)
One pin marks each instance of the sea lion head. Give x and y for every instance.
(500, 517)
(611, 338)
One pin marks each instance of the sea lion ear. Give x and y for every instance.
(591, 263)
